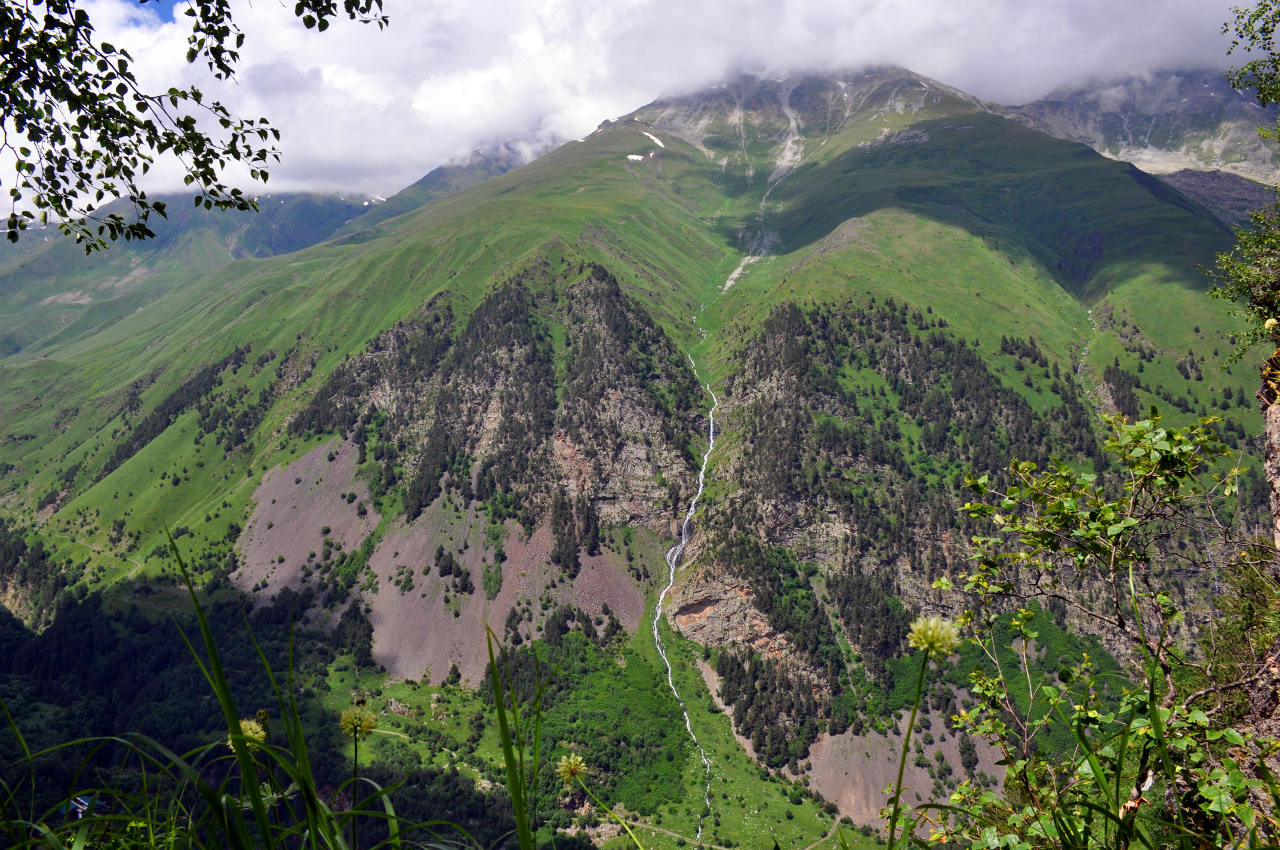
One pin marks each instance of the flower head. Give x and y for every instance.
(253, 733)
(936, 635)
(1269, 325)
(570, 768)
(358, 722)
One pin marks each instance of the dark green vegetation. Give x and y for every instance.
(104, 666)
(614, 712)
(510, 370)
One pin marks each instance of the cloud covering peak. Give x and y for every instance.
(371, 110)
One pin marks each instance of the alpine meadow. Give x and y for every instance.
(816, 459)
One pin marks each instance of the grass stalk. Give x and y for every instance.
(906, 742)
(513, 760)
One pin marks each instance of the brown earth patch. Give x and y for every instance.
(853, 771)
(694, 612)
(417, 634)
(292, 505)
(719, 613)
(604, 578)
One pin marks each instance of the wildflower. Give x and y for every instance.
(358, 722)
(1269, 324)
(253, 733)
(935, 635)
(570, 768)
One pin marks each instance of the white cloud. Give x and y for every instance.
(372, 110)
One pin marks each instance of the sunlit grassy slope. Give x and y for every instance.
(995, 228)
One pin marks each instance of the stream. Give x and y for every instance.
(790, 154)
(673, 561)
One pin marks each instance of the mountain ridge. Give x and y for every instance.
(1168, 121)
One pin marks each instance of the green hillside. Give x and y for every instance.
(490, 409)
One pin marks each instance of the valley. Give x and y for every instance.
(681, 411)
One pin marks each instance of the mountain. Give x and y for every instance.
(437, 183)
(1231, 197)
(1167, 121)
(493, 408)
(49, 288)
(1189, 127)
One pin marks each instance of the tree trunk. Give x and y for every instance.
(1264, 692)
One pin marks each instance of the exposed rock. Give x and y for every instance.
(1162, 122)
(718, 612)
(1230, 197)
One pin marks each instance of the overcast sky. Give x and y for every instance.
(371, 111)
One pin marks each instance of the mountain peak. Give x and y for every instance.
(1162, 122)
(824, 103)
(769, 122)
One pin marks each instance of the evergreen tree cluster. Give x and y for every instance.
(1122, 384)
(781, 590)
(575, 527)
(874, 620)
(28, 571)
(871, 413)
(782, 704)
(191, 392)
(615, 348)
(448, 566)
(231, 416)
(1023, 350)
(773, 706)
(406, 355)
(499, 379)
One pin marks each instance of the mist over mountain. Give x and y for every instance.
(371, 110)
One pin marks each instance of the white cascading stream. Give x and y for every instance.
(673, 561)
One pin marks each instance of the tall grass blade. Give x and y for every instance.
(514, 764)
(222, 690)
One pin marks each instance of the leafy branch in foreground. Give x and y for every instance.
(1249, 275)
(82, 130)
(1109, 552)
(1153, 770)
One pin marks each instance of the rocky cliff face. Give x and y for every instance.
(765, 125)
(556, 379)
(1228, 196)
(1169, 121)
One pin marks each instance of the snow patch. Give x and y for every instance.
(656, 140)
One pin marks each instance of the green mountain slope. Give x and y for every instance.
(438, 183)
(51, 293)
(490, 408)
